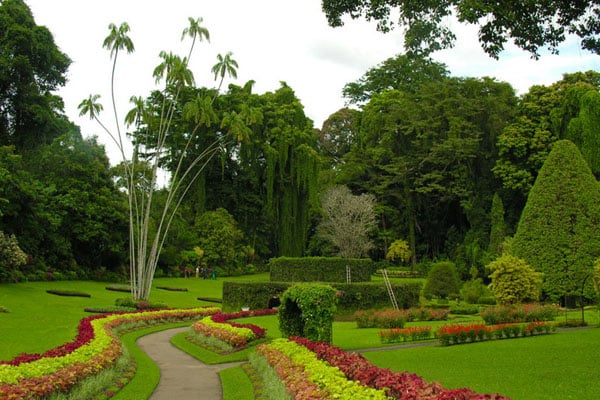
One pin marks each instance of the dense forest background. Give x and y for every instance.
(449, 160)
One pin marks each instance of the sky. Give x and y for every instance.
(271, 40)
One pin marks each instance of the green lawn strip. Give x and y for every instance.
(556, 366)
(236, 384)
(147, 373)
(205, 355)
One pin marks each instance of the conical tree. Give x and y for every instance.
(558, 230)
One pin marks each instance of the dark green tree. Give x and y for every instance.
(31, 68)
(497, 226)
(402, 72)
(442, 281)
(558, 230)
(531, 25)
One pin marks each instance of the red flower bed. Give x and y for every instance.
(399, 385)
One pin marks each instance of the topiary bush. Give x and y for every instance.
(320, 269)
(307, 310)
(352, 297)
(442, 281)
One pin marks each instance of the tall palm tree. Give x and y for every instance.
(225, 66)
(195, 31)
(116, 41)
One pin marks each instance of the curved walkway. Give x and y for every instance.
(182, 376)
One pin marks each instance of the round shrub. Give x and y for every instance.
(442, 281)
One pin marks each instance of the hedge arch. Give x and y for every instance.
(307, 310)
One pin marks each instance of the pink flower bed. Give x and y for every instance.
(399, 385)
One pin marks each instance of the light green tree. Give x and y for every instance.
(513, 280)
(399, 250)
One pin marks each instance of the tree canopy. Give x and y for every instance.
(531, 25)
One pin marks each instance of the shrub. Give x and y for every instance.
(519, 313)
(307, 310)
(473, 290)
(442, 281)
(68, 293)
(464, 310)
(513, 280)
(320, 269)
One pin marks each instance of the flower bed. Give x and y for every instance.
(397, 318)
(519, 313)
(307, 377)
(237, 335)
(456, 334)
(397, 385)
(96, 348)
(396, 335)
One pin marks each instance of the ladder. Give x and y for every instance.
(388, 285)
(348, 277)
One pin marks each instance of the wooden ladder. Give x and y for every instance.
(388, 285)
(348, 277)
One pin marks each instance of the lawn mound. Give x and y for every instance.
(210, 299)
(68, 293)
(172, 289)
(119, 288)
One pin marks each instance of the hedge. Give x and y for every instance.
(351, 297)
(320, 269)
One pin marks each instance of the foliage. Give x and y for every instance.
(412, 334)
(457, 334)
(498, 226)
(11, 258)
(306, 376)
(31, 68)
(397, 385)
(351, 297)
(519, 313)
(597, 275)
(513, 280)
(557, 233)
(401, 72)
(396, 318)
(474, 290)
(320, 269)
(347, 221)
(545, 115)
(442, 281)
(220, 240)
(308, 310)
(398, 250)
(528, 24)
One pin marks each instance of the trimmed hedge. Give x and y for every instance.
(68, 293)
(320, 269)
(352, 297)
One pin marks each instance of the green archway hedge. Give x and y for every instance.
(307, 310)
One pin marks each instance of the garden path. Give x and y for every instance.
(181, 375)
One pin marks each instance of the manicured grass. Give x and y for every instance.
(556, 366)
(236, 384)
(39, 321)
(205, 355)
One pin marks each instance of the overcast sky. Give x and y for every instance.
(272, 41)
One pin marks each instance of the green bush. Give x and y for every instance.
(464, 310)
(351, 297)
(320, 269)
(473, 290)
(307, 310)
(442, 281)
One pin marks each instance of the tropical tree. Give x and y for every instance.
(530, 24)
(226, 65)
(147, 235)
(558, 230)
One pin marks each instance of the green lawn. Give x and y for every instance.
(39, 321)
(556, 366)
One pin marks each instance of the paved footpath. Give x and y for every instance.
(182, 376)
